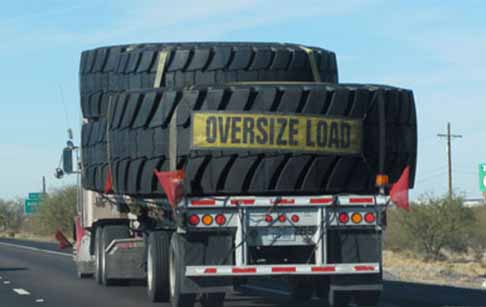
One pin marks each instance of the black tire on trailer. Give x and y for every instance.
(158, 252)
(108, 70)
(110, 233)
(340, 298)
(98, 255)
(177, 274)
(321, 285)
(367, 298)
(220, 172)
(301, 288)
(212, 299)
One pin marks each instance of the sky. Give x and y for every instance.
(436, 48)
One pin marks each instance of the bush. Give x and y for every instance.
(11, 215)
(56, 211)
(477, 240)
(431, 225)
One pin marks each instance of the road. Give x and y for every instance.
(38, 274)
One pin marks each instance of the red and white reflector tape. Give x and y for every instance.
(348, 268)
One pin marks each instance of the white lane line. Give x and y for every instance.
(36, 249)
(21, 291)
(6, 282)
(39, 300)
(274, 291)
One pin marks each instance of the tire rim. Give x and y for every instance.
(150, 274)
(172, 277)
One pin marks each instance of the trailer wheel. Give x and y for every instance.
(176, 273)
(321, 285)
(110, 233)
(340, 298)
(158, 266)
(367, 298)
(98, 254)
(212, 299)
(301, 288)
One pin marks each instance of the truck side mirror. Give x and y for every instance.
(67, 160)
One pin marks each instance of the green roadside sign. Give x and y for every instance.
(35, 195)
(32, 203)
(482, 177)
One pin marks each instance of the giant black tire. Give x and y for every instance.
(139, 137)
(106, 70)
(110, 233)
(158, 284)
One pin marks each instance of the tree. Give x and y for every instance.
(57, 211)
(11, 215)
(437, 223)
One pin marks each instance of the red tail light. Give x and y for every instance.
(282, 218)
(194, 220)
(220, 219)
(343, 218)
(370, 217)
(268, 218)
(295, 218)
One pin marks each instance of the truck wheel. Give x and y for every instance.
(301, 288)
(340, 299)
(176, 273)
(238, 282)
(158, 266)
(110, 233)
(212, 299)
(98, 254)
(321, 285)
(367, 298)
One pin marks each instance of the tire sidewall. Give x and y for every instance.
(98, 256)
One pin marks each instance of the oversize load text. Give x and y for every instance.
(279, 132)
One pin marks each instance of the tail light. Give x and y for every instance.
(356, 217)
(207, 220)
(268, 218)
(282, 218)
(194, 220)
(343, 218)
(295, 218)
(220, 219)
(369, 217)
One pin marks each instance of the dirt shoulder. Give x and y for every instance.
(458, 271)
(30, 237)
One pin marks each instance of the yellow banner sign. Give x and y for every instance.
(222, 130)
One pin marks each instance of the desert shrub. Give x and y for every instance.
(432, 224)
(56, 211)
(477, 239)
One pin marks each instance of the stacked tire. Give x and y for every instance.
(131, 95)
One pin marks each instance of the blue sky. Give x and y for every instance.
(436, 48)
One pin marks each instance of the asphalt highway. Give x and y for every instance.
(39, 274)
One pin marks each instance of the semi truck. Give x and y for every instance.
(207, 166)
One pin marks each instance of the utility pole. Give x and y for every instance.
(449, 155)
(44, 185)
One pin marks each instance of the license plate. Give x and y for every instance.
(279, 234)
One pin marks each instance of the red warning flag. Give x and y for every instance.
(173, 184)
(109, 182)
(399, 190)
(63, 241)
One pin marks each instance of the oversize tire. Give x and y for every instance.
(158, 284)
(98, 255)
(301, 288)
(107, 70)
(110, 233)
(177, 274)
(138, 135)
